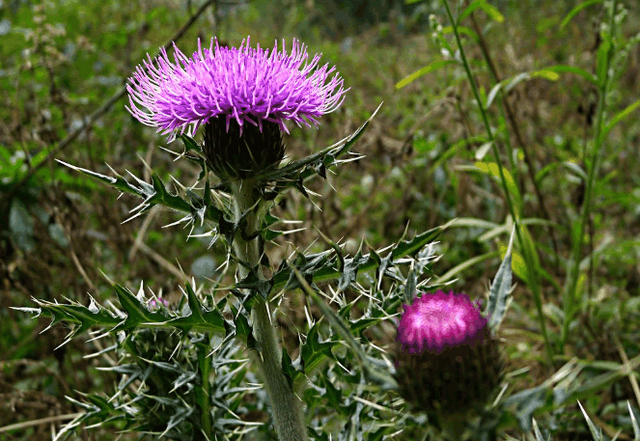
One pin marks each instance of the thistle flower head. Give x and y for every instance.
(243, 84)
(434, 322)
(446, 358)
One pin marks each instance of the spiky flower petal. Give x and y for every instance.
(447, 360)
(243, 84)
(437, 321)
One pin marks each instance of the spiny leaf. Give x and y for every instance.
(189, 143)
(163, 196)
(634, 423)
(254, 283)
(198, 317)
(350, 269)
(153, 194)
(74, 313)
(291, 373)
(359, 325)
(137, 313)
(243, 330)
(175, 419)
(536, 431)
(410, 287)
(97, 408)
(295, 172)
(323, 266)
(596, 433)
(374, 373)
(529, 402)
(118, 182)
(313, 351)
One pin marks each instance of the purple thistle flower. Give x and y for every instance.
(434, 322)
(243, 84)
(154, 304)
(446, 358)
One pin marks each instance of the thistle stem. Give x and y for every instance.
(286, 407)
(205, 398)
(248, 251)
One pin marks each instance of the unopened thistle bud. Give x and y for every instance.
(447, 360)
(233, 154)
(243, 96)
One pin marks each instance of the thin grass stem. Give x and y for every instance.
(508, 114)
(598, 141)
(527, 252)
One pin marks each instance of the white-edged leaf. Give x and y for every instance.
(550, 73)
(492, 94)
(576, 169)
(596, 433)
(482, 151)
(501, 288)
(634, 423)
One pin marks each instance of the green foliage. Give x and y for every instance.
(529, 261)
(135, 313)
(138, 318)
(332, 264)
(161, 392)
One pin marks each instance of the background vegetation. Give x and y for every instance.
(63, 65)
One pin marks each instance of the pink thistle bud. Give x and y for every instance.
(447, 360)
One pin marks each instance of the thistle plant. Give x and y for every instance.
(242, 96)
(181, 370)
(182, 367)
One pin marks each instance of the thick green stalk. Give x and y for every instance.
(246, 250)
(286, 407)
(598, 141)
(527, 252)
(205, 397)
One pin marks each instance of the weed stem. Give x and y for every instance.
(527, 246)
